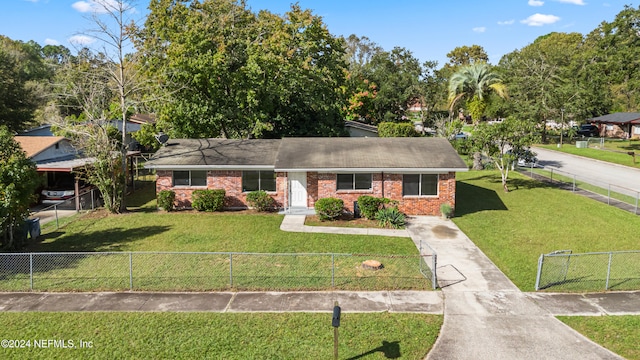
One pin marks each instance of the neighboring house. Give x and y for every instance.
(42, 130)
(57, 162)
(358, 129)
(419, 173)
(624, 125)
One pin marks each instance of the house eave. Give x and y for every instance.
(377, 170)
(209, 167)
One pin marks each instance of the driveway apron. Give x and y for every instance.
(485, 315)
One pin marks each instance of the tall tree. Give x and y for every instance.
(18, 182)
(235, 74)
(22, 72)
(473, 83)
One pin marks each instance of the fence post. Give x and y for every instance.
(31, 271)
(434, 277)
(539, 274)
(637, 196)
(606, 285)
(231, 269)
(333, 270)
(130, 271)
(55, 211)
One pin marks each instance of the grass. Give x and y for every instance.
(144, 229)
(613, 151)
(221, 336)
(515, 228)
(616, 333)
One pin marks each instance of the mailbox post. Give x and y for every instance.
(335, 322)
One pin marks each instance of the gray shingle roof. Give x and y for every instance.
(311, 154)
(215, 153)
(617, 118)
(383, 154)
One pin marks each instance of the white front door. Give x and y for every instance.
(298, 189)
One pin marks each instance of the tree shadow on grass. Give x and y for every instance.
(471, 199)
(390, 350)
(114, 239)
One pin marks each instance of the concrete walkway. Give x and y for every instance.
(485, 315)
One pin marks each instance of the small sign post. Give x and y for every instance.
(335, 322)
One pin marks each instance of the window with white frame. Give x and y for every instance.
(190, 178)
(258, 180)
(354, 181)
(420, 185)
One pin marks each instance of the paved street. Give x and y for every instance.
(601, 173)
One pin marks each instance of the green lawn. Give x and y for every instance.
(220, 336)
(616, 333)
(143, 229)
(514, 228)
(613, 151)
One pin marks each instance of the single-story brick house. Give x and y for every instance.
(624, 125)
(417, 172)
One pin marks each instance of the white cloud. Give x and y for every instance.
(575, 2)
(479, 29)
(536, 3)
(99, 6)
(540, 20)
(48, 41)
(81, 40)
(507, 22)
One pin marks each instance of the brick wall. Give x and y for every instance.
(390, 188)
(229, 180)
(319, 185)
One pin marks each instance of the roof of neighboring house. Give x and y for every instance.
(34, 145)
(311, 154)
(218, 153)
(42, 130)
(361, 126)
(143, 118)
(618, 118)
(368, 154)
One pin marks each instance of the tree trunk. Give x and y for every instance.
(477, 161)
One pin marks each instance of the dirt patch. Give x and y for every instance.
(444, 232)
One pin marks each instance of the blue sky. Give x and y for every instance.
(429, 28)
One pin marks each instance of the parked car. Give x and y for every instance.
(62, 191)
(588, 130)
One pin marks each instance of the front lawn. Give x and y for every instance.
(219, 336)
(514, 228)
(616, 333)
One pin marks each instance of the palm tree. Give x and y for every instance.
(473, 82)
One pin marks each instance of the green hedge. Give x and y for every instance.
(329, 208)
(208, 200)
(369, 205)
(260, 200)
(166, 200)
(390, 129)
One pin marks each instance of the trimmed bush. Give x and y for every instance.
(390, 129)
(208, 200)
(166, 200)
(446, 210)
(260, 200)
(369, 205)
(329, 208)
(391, 218)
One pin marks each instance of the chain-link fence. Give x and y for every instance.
(180, 271)
(611, 194)
(88, 200)
(563, 270)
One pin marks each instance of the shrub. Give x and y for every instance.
(446, 210)
(329, 208)
(208, 200)
(369, 205)
(391, 217)
(390, 129)
(166, 200)
(260, 200)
